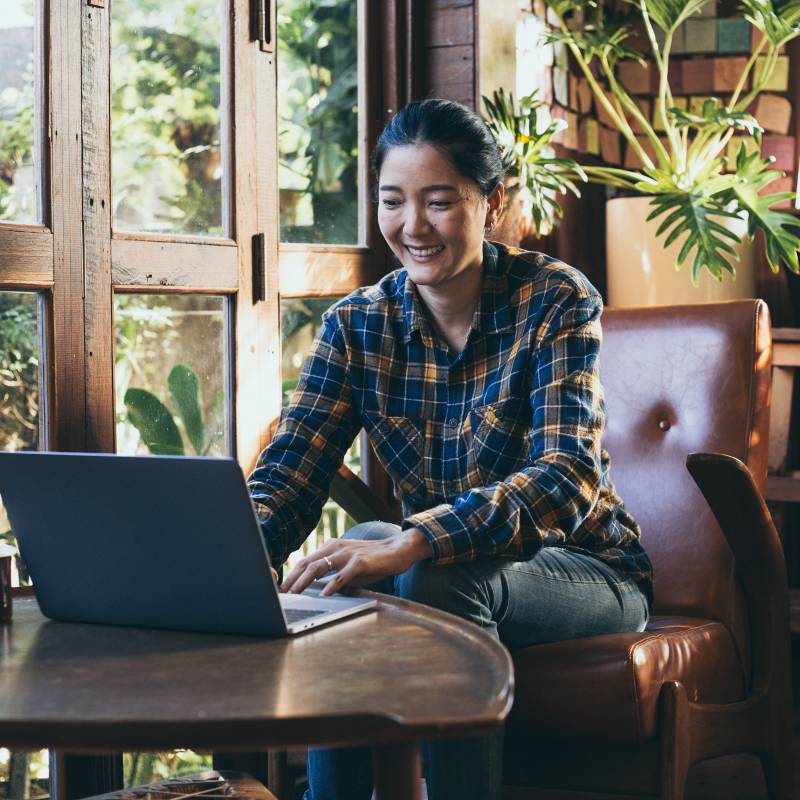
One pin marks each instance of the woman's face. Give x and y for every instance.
(432, 217)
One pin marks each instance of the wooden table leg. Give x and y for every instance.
(396, 770)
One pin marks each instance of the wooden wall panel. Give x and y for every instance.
(450, 50)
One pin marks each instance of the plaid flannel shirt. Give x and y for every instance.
(494, 451)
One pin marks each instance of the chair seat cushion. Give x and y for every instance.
(607, 687)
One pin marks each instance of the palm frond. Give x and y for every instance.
(714, 113)
(604, 41)
(779, 228)
(526, 151)
(668, 14)
(692, 214)
(778, 21)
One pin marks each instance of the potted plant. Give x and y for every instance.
(534, 175)
(701, 208)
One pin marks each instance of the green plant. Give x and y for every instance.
(686, 171)
(528, 155)
(318, 116)
(158, 425)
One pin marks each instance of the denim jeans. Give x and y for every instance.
(556, 595)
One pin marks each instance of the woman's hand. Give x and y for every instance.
(359, 561)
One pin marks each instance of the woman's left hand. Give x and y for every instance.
(358, 561)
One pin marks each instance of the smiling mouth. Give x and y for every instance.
(422, 252)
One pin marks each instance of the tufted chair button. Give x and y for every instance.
(664, 424)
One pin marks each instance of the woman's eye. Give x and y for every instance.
(388, 203)
(441, 203)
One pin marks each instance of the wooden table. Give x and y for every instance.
(388, 679)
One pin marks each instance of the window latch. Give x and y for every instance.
(259, 268)
(262, 24)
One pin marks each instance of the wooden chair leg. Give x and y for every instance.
(778, 773)
(674, 734)
(280, 777)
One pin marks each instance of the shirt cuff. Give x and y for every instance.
(440, 526)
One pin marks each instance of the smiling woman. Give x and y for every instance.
(433, 218)
(473, 369)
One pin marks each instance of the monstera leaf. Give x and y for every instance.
(154, 422)
(184, 389)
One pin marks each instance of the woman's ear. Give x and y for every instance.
(495, 205)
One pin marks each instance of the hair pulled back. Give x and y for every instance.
(454, 130)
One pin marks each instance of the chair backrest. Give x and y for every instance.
(677, 380)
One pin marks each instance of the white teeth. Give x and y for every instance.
(424, 251)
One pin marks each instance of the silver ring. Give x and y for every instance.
(329, 563)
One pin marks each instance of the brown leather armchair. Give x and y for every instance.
(629, 713)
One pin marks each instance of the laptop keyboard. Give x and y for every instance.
(298, 614)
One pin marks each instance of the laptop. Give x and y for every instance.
(152, 541)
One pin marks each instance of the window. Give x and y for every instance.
(148, 235)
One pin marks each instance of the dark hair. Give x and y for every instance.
(455, 130)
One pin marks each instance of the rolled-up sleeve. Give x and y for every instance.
(292, 479)
(552, 494)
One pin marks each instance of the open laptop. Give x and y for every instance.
(152, 541)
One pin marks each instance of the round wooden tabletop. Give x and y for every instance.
(404, 672)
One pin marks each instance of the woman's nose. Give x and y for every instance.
(416, 221)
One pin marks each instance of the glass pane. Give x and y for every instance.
(166, 160)
(18, 74)
(318, 121)
(19, 385)
(25, 776)
(140, 769)
(300, 323)
(171, 374)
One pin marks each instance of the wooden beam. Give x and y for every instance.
(144, 263)
(26, 257)
(317, 271)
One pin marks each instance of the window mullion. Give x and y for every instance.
(63, 31)
(257, 381)
(96, 210)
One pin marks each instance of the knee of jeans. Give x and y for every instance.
(371, 530)
(442, 587)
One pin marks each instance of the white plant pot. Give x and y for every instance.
(641, 271)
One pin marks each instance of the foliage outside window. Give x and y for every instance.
(318, 121)
(24, 776)
(166, 159)
(19, 389)
(300, 323)
(171, 375)
(18, 196)
(143, 768)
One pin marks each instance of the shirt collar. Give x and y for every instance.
(492, 314)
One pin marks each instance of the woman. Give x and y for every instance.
(474, 370)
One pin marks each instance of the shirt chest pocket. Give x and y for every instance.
(500, 443)
(398, 443)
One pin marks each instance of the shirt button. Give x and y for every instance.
(452, 422)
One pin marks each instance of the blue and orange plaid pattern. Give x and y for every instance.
(494, 451)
